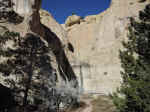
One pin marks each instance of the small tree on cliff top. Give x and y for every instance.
(135, 59)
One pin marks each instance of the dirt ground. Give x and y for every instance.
(89, 103)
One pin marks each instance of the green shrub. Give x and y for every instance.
(134, 93)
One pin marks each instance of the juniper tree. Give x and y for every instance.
(26, 66)
(135, 59)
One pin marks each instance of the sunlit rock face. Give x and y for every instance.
(97, 41)
(71, 20)
(23, 6)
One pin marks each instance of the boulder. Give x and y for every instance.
(71, 20)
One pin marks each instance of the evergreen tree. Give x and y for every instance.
(134, 93)
(26, 66)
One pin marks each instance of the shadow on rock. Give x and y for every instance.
(7, 101)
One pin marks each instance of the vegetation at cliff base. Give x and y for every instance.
(25, 68)
(134, 94)
(20, 58)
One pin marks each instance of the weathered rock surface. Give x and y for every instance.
(51, 71)
(24, 6)
(96, 40)
(50, 22)
(96, 43)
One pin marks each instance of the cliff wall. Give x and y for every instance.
(97, 41)
(43, 73)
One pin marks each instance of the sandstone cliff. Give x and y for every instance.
(93, 40)
(50, 22)
(46, 74)
(96, 43)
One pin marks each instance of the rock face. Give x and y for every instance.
(24, 7)
(37, 84)
(50, 22)
(96, 43)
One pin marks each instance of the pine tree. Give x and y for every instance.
(134, 93)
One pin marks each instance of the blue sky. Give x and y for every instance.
(61, 9)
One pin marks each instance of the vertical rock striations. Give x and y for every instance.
(46, 79)
(97, 41)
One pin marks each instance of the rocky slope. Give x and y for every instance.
(96, 41)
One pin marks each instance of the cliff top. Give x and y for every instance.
(119, 7)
